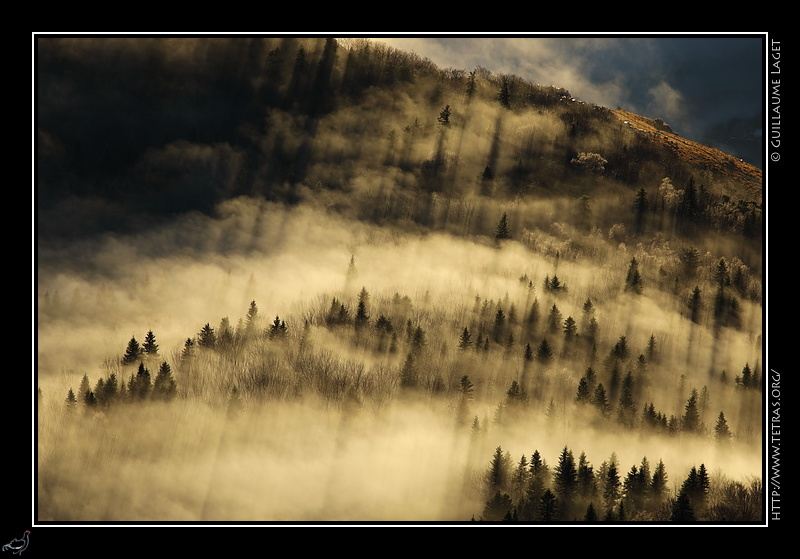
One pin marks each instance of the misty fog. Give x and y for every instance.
(370, 202)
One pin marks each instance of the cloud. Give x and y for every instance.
(666, 101)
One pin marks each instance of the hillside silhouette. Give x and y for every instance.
(133, 130)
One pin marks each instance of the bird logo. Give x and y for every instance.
(18, 545)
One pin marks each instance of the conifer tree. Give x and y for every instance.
(627, 406)
(600, 400)
(140, 385)
(362, 317)
(547, 506)
(207, 338)
(682, 511)
(465, 340)
(188, 350)
(691, 417)
(71, 401)
(150, 347)
(498, 507)
(658, 484)
(499, 325)
(503, 231)
(570, 329)
(498, 474)
(444, 116)
(640, 206)
(84, 387)
(132, 353)
(277, 329)
(164, 387)
(694, 304)
(591, 514)
(554, 319)
(633, 279)
(251, 319)
(722, 432)
(544, 353)
(584, 394)
(611, 484)
(565, 477)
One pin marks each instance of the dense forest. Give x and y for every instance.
(324, 280)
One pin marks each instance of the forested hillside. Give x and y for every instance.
(318, 280)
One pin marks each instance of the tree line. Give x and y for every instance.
(573, 490)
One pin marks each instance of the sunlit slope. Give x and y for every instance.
(739, 178)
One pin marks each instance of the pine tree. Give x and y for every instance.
(132, 353)
(499, 325)
(497, 476)
(584, 394)
(84, 387)
(140, 385)
(503, 231)
(150, 347)
(164, 387)
(207, 338)
(627, 406)
(251, 319)
(658, 484)
(504, 95)
(570, 329)
(71, 401)
(554, 319)
(691, 417)
(188, 350)
(611, 484)
(633, 279)
(565, 477)
(444, 116)
(640, 206)
(682, 511)
(277, 329)
(591, 514)
(544, 352)
(498, 507)
(721, 431)
(547, 506)
(362, 317)
(694, 304)
(600, 400)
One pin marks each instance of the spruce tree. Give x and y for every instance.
(691, 417)
(503, 231)
(132, 353)
(633, 279)
(565, 478)
(544, 353)
(71, 401)
(164, 387)
(722, 432)
(600, 400)
(465, 340)
(150, 347)
(694, 305)
(207, 338)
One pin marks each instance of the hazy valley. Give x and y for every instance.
(382, 291)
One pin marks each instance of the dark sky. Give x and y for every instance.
(691, 82)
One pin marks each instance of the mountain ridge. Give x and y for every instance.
(746, 180)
